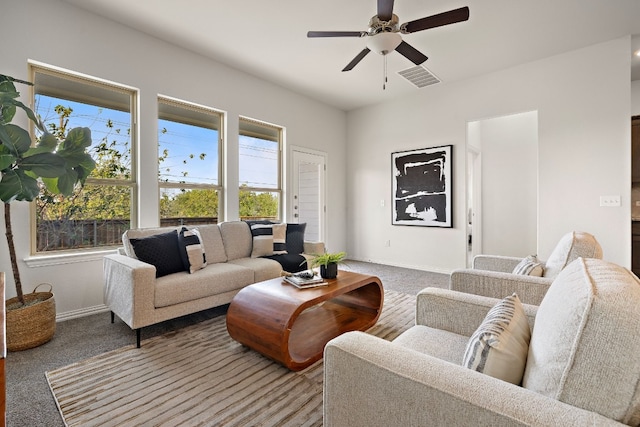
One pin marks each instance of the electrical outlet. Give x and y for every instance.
(610, 201)
(387, 243)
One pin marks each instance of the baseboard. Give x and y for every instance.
(413, 267)
(87, 311)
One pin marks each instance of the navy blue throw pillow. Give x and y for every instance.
(161, 251)
(295, 238)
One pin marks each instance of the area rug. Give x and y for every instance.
(199, 376)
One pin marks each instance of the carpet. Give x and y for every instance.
(199, 376)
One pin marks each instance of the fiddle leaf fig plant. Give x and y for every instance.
(59, 165)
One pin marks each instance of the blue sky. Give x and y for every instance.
(186, 144)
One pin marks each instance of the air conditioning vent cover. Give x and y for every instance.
(419, 76)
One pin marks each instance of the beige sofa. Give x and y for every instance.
(134, 293)
(581, 366)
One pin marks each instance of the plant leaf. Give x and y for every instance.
(76, 141)
(15, 185)
(6, 160)
(51, 184)
(48, 165)
(85, 167)
(16, 139)
(67, 182)
(48, 141)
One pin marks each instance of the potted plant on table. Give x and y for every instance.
(328, 263)
(59, 165)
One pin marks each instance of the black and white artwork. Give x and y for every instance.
(422, 187)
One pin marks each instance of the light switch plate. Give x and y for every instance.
(610, 201)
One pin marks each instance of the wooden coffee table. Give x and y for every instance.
(292, 325)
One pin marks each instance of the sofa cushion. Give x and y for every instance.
(160, 250)
(262, 268)
(237, 239)
(570, 247)
(192, 251)
(438, 343)
(214, 280)
(529, 266)
(499, 346)
(584, 343)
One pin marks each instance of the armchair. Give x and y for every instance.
(582, 366)
(493, 276)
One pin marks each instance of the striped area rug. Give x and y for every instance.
(199, 376)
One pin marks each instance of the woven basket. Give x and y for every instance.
(31, 325)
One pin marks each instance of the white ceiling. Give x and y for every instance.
(268, 38)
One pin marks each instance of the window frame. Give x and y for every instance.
(200, 109)
(267, 131)
(67, 78)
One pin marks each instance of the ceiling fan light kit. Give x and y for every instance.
(383, 43)
(384, 32)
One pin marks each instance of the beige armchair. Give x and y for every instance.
(493, 276)
(582, 366)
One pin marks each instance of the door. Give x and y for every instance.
(308, 199)
(474, 205)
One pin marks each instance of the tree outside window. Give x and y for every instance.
(97, 214)
(189, 147)
(260, 170)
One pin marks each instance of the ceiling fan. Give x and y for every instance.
(384, 32)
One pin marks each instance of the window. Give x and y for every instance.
(189, 163)
(97, 214)
(260, 165)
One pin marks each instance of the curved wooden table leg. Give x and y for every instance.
(293, 325)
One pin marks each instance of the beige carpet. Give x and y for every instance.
(199, 376)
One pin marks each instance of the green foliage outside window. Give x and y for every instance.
(97, 214)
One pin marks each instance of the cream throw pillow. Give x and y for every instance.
(500, 345)
(529, 266)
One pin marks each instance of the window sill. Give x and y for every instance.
(35, 261)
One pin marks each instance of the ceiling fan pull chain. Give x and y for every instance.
(384, 73)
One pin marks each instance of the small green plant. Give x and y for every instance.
(326, 259)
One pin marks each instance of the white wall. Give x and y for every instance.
(584, 148)
(58, 34)
(509, 156)
(635, 98)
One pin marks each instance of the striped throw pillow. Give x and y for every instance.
(268, 239)
(529, 266)
(500, 345)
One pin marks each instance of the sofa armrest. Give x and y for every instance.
(505, 264)
(313, 248)
(457, 312)
(129, 289)
(530, 289)
(369, 381)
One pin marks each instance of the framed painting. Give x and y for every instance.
(422, 183)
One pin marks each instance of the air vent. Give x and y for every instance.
(419, 76)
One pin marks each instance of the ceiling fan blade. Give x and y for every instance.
(445, 18)
(357, 59)
(336, 33)
(411, 53)
(385, 10)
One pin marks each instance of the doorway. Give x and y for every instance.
(308, 192)
(502, 185)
